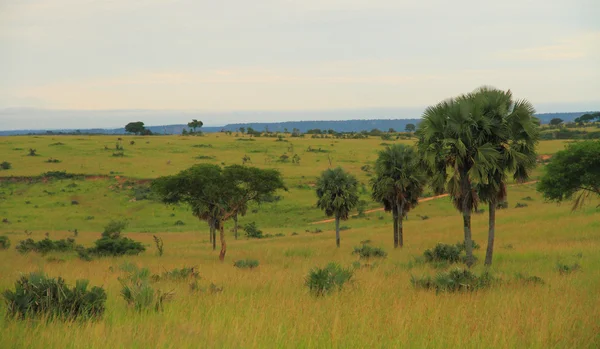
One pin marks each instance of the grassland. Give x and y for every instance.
(269, 306)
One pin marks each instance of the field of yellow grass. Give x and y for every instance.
(269, 306)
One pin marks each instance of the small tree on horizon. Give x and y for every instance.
(337, 193)
(195, 124)
(136, 127)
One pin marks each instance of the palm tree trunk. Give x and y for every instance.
(235, 225)
(210, 231)
(468, 240)
(395, 215)
(223, 243)
(491, 234)
(337, 231)
(400, 218)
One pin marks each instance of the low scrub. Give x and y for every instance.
(454, 280)
(4, 242)
(321, 281)
(137, 291)
(112, 243)
(37, 295)
(46, 245)
(60, 175)
(367, 251)
(445, 253)
(246, 263)
(529, 279)
(176, 274)
(5, 165)
(567, 268)
(252, 231)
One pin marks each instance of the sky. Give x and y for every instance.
(230, 57)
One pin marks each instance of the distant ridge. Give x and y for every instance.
(303, 126)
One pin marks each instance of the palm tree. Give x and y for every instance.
(515, 140)
(453, 139)
(398, 183)
(337, 191)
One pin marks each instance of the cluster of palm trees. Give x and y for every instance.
(468, 146)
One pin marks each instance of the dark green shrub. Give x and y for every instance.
(137, 291)
(519, 205)
(182, 274)
(179, 223)
(60, 175)
(36, 295)
(527, 198)
(366, 251)
(567, 268)
(204, 157)
(444, 253)
(252, 231)
(53, 161)
(32, 152)
(114, 228)
(118, 246)
(321, 281)
(46, 245)
(294, 234)
(344, 227)
(5, 165)
(246, 263)
(4, 242)
(502, 205)
(454, 280)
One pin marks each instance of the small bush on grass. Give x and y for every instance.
(5, 165)
(137, 291)
(366, 252)
(454, 280)
(182, 274)
(519, 205)
(4, 242)
(567, 268)
(53, 161)
(252, 231)
(246, 263)
(321, 281)
(502, 205)
(60, 175)
(36, 295)
(112, 243)
(529, 280)
(46, 245)
(444, 253)
(527, 198)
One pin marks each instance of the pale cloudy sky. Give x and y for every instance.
(232, 55)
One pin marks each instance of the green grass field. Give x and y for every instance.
(269, 306)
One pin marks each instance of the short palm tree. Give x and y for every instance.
(337, 191)
(453, 139)
(398, 183)
(515, 141)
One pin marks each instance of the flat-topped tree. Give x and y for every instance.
(194, 124)
(217, 194)
(136, 127)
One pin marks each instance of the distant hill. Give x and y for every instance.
(303, 126)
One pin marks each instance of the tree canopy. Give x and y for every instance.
(556, 121)
(573, 173)
(194, 124)
(136, 127)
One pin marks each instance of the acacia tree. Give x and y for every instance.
(398, 183)
(515, 138)
(337, 191)
(573, 173)
(136, 127)
(194, 124)
(453, 142)
(217, 194)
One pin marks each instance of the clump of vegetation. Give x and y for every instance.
(204, 157)
(112, 243)
(529, 280)
(179, 222)
(502, 205)
(53, 161)
(4, 242)
(527, 198)
(367, 251)
(45, 246)
(37, 295)
(321, 281)
(57, 143)
(5, 165)
(454, 280)
(444, 253)
(159, 245)
(519, 205)
(32, 152)
(118, 154)
(246, 263)
(176, 274)
(202, 146)
(567, 268)
(252, 231)
(138, 292)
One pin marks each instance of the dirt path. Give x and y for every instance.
(329, 220)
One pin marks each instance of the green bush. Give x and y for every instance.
(519, 205)
(60, 175)
(4, 242)
(454, 280)
(246, 263)
(176, 274)
(117, 246)
(252, 231)
(321, 281)
(114, 228)
(447, 253)
(36, 295)
(5, 165)
(366, 251)
(137, 291)
(529, 280)
(567, 268)
(46, 245)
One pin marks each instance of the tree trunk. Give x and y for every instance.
(235, 226)
(210, 231)
(491, 234)
(467, 229)
(223, 243)
(400, 218)
(395, 215)
(337, 231)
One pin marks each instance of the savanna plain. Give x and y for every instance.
(269, 305)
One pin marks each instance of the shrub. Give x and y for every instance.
(294, 234)
(454, 280)
(74, 202)
(246, 263)
(5, 165)
(529, 280)
(118, 246)
(178, 274)
(527, 198)
(519, 205)
(566, 268)
(46, 245)
(53, 161)
(366, 251)
(4, 242)
(179, 222)
(252, 231)
(32, 152)
(36, 295)
(60, 175)
(204, 157)
(321, 281)
(447, 253)
(118, 154)
(502, 205)
(137, 291)
(114, 228)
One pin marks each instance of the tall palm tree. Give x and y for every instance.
(398, 183)
(515, 141)
(453, 139)
(337, 193)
